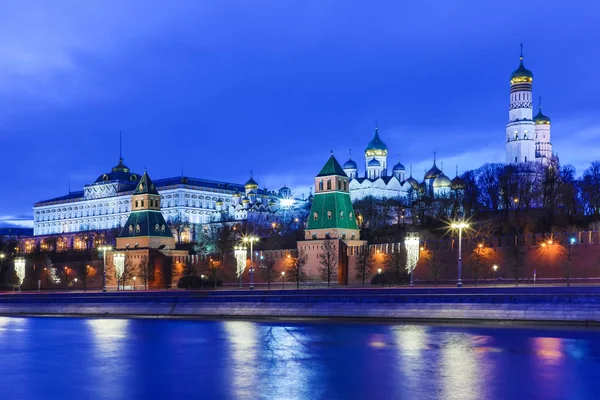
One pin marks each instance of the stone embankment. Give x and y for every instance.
(574, 305)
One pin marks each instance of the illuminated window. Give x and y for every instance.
(341, 215)
(137, 228)
(130, 228)
(328, 214)
(316, 216)
(349, 215)
(156, 228)
(162, 228)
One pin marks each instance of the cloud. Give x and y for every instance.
(11, 221)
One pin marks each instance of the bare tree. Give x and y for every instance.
(396, 262)
(328, 259)
(213, 269)
(364, 264)
(145, 271)
(86, 273)
(179, 224)
(267, 268)
(296, 262)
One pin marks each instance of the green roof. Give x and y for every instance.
(332, 167)
(145, 186)
(336, 203)
(146, 223)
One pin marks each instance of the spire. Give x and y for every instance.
(350, 154)
(442, 166)
(434, 155)
(521, 58)
(120, 147)
(411, 170)
(540, 104)
(456, 169)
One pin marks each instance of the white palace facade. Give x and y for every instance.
(106, 203)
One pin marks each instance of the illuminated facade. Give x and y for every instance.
(105, 204)
(527, 137)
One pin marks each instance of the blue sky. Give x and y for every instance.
(223, 87)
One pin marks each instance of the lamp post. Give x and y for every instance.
(134, 278)
(460, 225)
(202, 282)
(282, 281)
(103, 249)
(251, 271)
(495, 268)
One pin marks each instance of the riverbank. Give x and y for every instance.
(559, 305)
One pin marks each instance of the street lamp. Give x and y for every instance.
(460, 225)
(251, 240)
(251, 271)
(282, 281)
(495, 268)
(134, 278)
(202, 282)
(103, 249)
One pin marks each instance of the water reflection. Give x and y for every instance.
(121, 359)
(109, 366)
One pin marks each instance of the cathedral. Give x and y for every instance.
(377, 182)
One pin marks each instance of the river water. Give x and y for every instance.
(54, 358)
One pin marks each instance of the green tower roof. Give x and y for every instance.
(146, 223)
(145, 185)
(338, 204)
(332, 167)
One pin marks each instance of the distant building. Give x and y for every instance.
(105, 204)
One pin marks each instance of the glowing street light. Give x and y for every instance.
(282, 281)
(134, 278)
(104, 249)
(460, 225)
(202, 282)
(495, 268)
(379, 270)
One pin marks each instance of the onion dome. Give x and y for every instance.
(376, 147)
(374, 163)
(399, 167)
(521, 74)
(413, 182)
(245, 200)
(251, 184)
(458, 183)
(219, 202)
(541, 119)
(272, 202)
(237, 194)
(433, 172)
(350, 164)
(442, 181)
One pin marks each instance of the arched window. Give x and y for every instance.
(316, 216)
(142, 203)
(321, 185)
(328, 214)
(339, 184)
(328, 184)
(341, 215)
(345, 185)
(136, 203)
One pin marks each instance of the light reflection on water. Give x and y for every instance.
(50, 358)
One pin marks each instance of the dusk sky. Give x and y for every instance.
(224, 87)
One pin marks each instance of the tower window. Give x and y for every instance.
(339, 184)
(136, 203)
(328, 184)
(321, 185)
(341, 215)
(316, 216)
(350, 215)
(328, 214)
(142, 203)
(130, 229)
